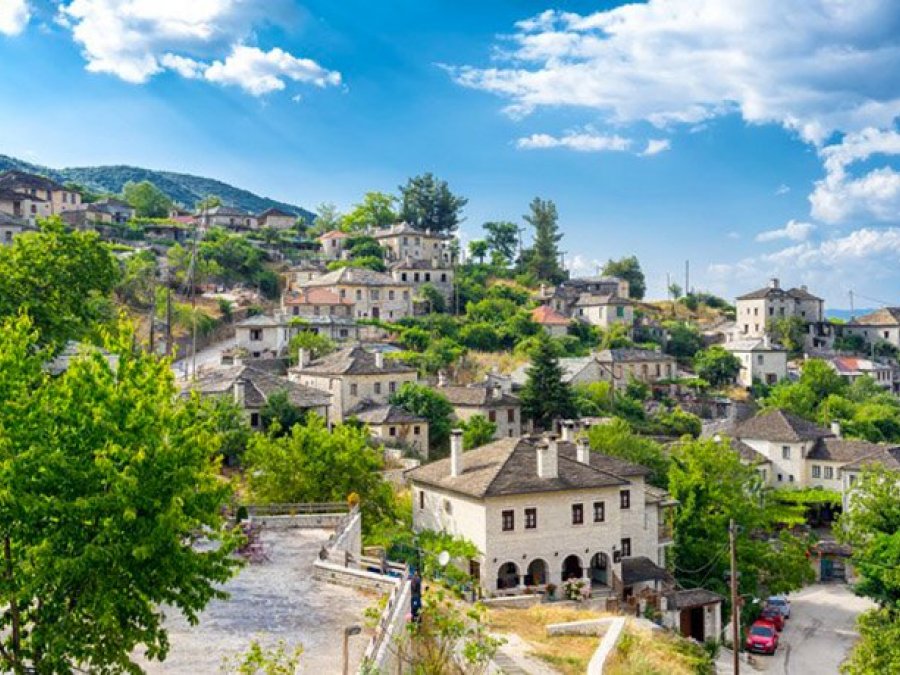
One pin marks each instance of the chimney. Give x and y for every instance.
(547, 457)
(379, 360)
(442, 378)
(583, 450)
(543, 290)
(240, 387)
(767, 342)
(496, 391)
(836, 428)
(302, 358)
(773, 282)
(456, 451)
(568, 427)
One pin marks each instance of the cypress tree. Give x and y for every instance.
(545, 396)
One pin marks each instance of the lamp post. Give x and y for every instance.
(348, 631)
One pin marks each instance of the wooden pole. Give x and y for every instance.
(735, 612)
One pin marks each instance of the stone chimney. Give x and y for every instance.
(773, 282)
(583, 450)
(302, 358)
(456, 450)
(379, 360)
(496, 391)
(548, 457)
(240, 389)
(568, 431)
(543, 290)
(836, 428)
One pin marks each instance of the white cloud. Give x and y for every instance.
(656, 146)
(259, 72)
(814, 67)
(581, 266)
(782, 190)
(584, 141)
(14, 16)
(793, 230)
(137, 39)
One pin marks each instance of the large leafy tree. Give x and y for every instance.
(618, 440)
(502, 239)
(107, 482)
(716, 365)
(433, 406)
(147, 199)
(684, 339)
(628, 268)
(477, 431)
(545, 396)
(428, 204)
(61, 279)
(543, 261)
(377, 209)
(478, 248)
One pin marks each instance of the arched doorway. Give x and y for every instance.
(507, 576)
(599, 570)
(571, 568)
(536, 574)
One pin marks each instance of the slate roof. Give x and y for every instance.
(778, 425)
(354, 361)
(640, 568)
(222, 211)
(759, 345)
(334, 234)
(260, 320)
(630, 355)
(372, 413)
(769, 291)
(547, 316)
(352, 276)
(259, 386)
(748, 454)
(509, 466)
(72, 349)
(691, 597)
(594, 299)
(17, 180)
(6, 219)
(406, 228)
(889, 457)
(571, 366)
(9, 195)
(849, 365)
(478, 396)
(886, 316)
(832, 449)
(272, 211)
(314, 296)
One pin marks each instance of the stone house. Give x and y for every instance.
(554, 323)
(276, 219)
(436, 272)
(402, 241)
(542, 510)
(694, 612)
(795, 453)
(39, 188)
(394, 427)
(604, 310)
(490, 401)
(754, 311)
(373, 294)
(23, 207)
(354, 377)
(266, 336)
(576, 370)
(251, 389)
(332, 243)
(761, 360)
(886, 456)
(563, 297)
(308, 302)
(881, 325)
(226, 216)
(10, 227)
(619, 366)
(105, 211)
(305, 270)
(851, 368)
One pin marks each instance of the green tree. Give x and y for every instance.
(278, 416)
(684, 339)
(430, 294)
(315, 344)
(477, 431)
(544, 259)
(137, 279)
(628, 268)
(675, 291)
(502, 240)
(229, 421)
(617, 439)
(108, 484)
(364, 246)
(61, 279)
(260, 660)
(426, 402)
(545, 397)
(788, 331)
(210, 202)
(327, 218)
(377, 209)
(478, 248)
(716, 365)
(878, 648)
(147, 199)
(428, 204)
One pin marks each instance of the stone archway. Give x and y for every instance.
(507, 576)
(572, 568)
(537, 573)
(599, 570)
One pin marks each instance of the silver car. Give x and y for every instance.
(781, 603)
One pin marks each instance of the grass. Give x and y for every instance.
(569, 654)
(644, 652)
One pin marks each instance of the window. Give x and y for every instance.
(403, 276)
(530, 519)
(392, 431)
(509, 520)
(392, 387)
(577, 514)
(780, 478)
(343, 293)
(354, 389)
(254, 419)
(785, 452)
(344, 333)
(626, 547)
(444, 277)
(790, 478)
(421, 499)
(406, 295)
(599, 512)
(492, 415)
(852, 478)
(511, 415)
(759, 359)
(816, 471)
(378, 387)
(427, 276)
(625, 499)
(374, 294)
(829, 472)
(620, 311)
(390, 295)
(448, 506)
(255, 334)
(359, 294)
(417, 431)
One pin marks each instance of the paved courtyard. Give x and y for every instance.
(271, 601)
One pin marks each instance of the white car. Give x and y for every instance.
(781, 603)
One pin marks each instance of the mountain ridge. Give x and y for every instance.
(182, 188)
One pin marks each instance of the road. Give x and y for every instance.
(210, 356)
(819, 634)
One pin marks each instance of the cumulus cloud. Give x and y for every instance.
(656, 146)
(585, 141)
(581, 266)
(814, 67)
(793, 230)
(204, 39)
(14, 16)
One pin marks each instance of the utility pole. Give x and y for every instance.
(735, 611)
(851, 304)
(687, 277)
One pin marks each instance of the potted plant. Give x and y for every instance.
(551, 591)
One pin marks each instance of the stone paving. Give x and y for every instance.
(271, 601)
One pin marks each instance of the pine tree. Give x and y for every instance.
(545, 396)
(544, 260)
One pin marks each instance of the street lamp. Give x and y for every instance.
(355, 629)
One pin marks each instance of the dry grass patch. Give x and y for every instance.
(569, 654)
(644, 652)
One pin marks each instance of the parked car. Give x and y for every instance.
(781, 603)
(762, 637)
(773, 614)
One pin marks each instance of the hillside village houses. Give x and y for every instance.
(761, 360)
(554, 323)
(394, 426)
(404, 242)
(851, 368)
(276, 219)
(40, 189)
(491, 399)
(332, 243)
(605, 310)
(375, 295)
(881, 325)
(225, 216)
(754, 311)
(542, 510)
(106, 211)
(437, 272)
(564, 297)
(10, 227)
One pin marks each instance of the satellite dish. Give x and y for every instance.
(443, 558)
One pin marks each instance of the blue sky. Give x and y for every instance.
(772, 130)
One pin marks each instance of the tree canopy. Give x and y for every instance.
(426, 402)
(377, 209)
(502, 240)
(477, 431)
(545, 397)
(543, 261)
(427, 203)
(628, 268)
(147, 199)
(716, 365)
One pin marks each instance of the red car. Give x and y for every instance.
(773, 615)
(762, 637)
